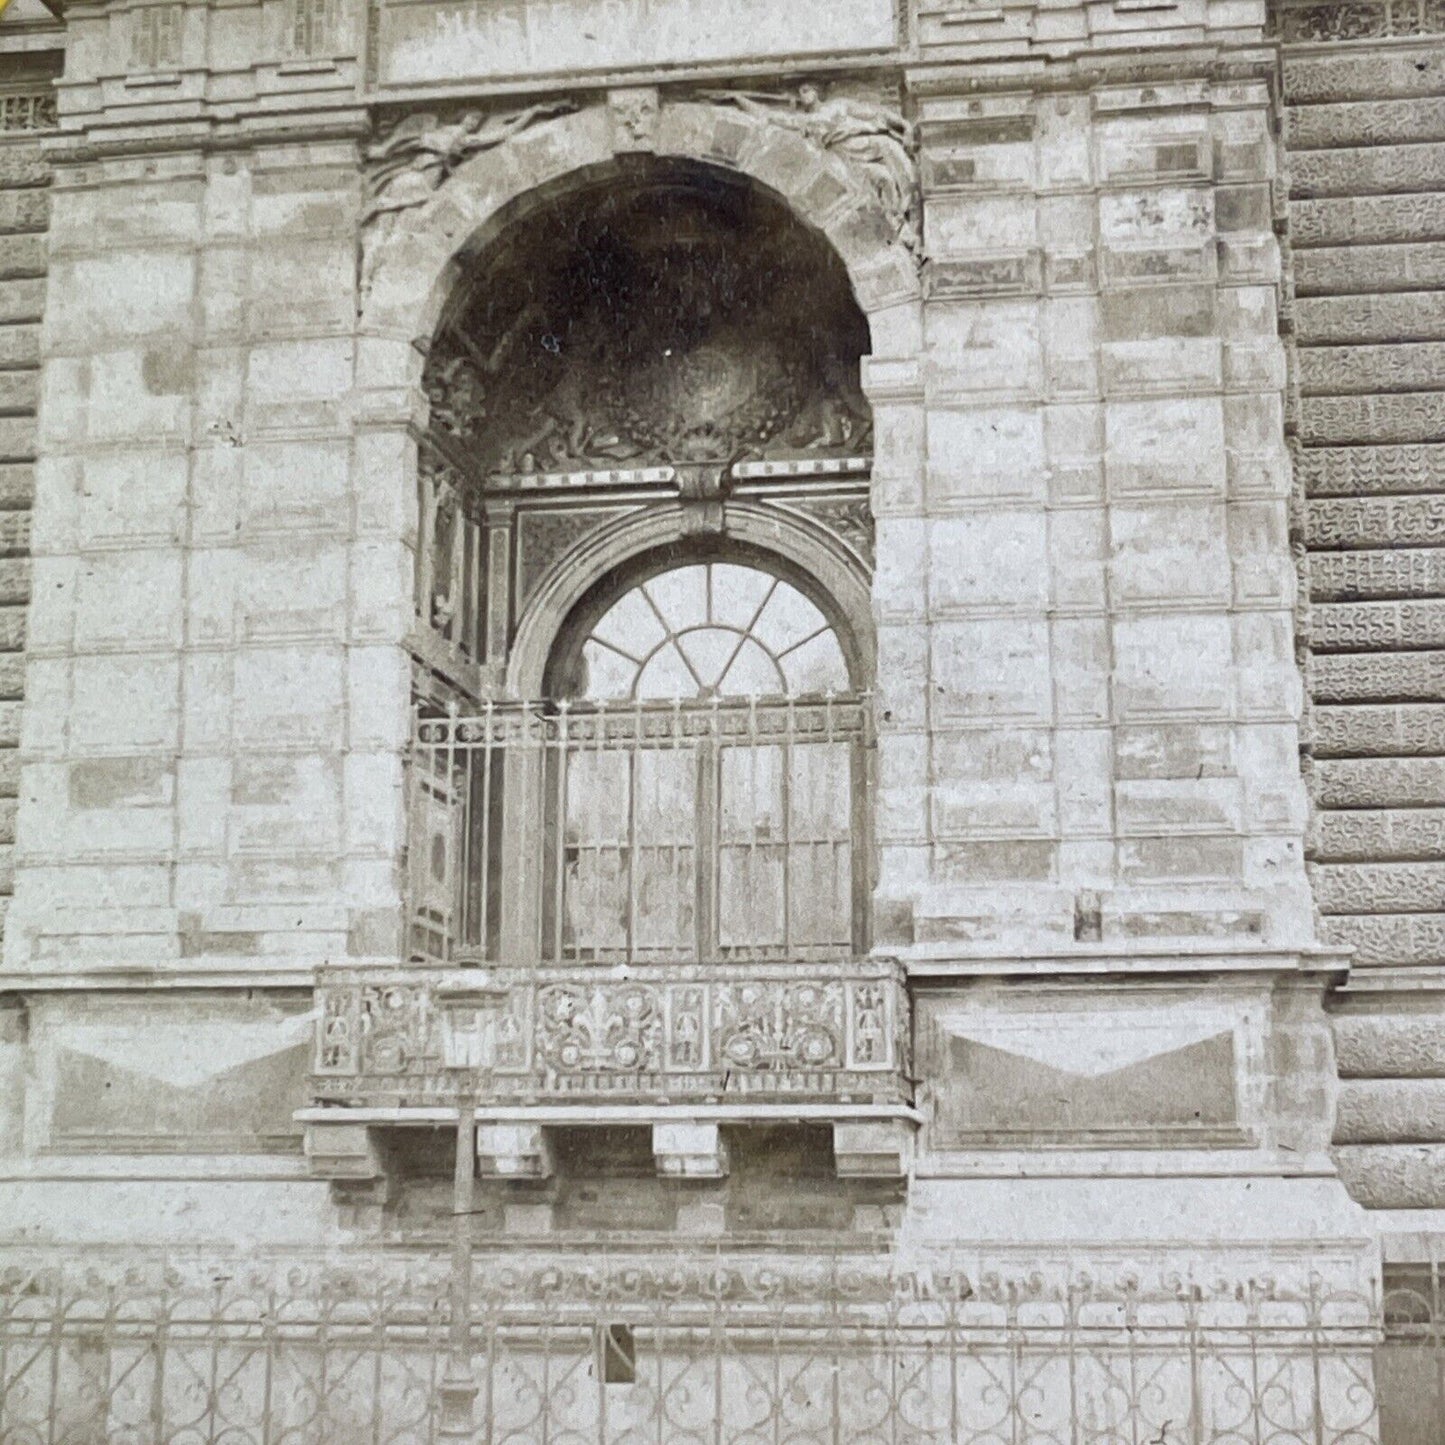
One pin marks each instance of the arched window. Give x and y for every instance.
(701, 786)
(640, 731)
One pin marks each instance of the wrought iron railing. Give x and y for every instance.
(696, 1349)
(683, 1032)
(640, 832)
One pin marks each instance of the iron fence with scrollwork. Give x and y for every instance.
(699, 1348)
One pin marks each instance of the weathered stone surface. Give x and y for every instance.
(1390, 1111)
(19, 346)
(22, 300)
(1370, 268)
(1369, 626)
(1368, 169)
(1394, 1176)
(27, 210)
(1416, 728)
(1364, 73)
(1399, 367)
(1364, 122)
(1362, 677)
(1379, 834)
(1363, 470)
(1346, 576)
(21, 256)
(1405, 316)
(1375, 522)
(1401, 417)
(1388, 941)
(1380, 887)
(1379, 782)
(1404, 1045)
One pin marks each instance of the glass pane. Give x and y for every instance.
(631, 625)
(816, 666)
(753, 673)
(752, 857)
(595, 861)
(664, 807)
(820, 894)
(710, 649)
(738, 593)
(608, 673)
(666, 675)
(787, 619)
(680, 596)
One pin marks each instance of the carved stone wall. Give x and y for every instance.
(27, 112)
(1365, 127)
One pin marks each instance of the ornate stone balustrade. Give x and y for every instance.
(646, 1034)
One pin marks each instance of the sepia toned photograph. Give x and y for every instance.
(722, 722)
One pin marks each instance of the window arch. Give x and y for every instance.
(711, 629)
(705, 776)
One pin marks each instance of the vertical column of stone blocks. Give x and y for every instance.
(296, 607)
(992, 811)
(900, 606)
(102, 727)
(1206, 795)
(24, 214)
(216, 737)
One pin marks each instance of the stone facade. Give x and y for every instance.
(1090, 410)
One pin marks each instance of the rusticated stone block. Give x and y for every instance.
(23, 166)
(1365, 170)
(1347, 576)
(1376, 522)
(1351, 471)
(1403, 417)
(1404, 316)
(1388, 940)
(1379, 782)
(1393, 1176)
(14, 580)
(12, 629)
(1350, 73)
(1363, 677)
(1402, 366)
(12, 678)
(1383, 731)
(1390, 1045)
(1379, 887)
(19, 391)
(22, 256)
(1390, 1111)
(24, 210)
(17, 439)
(1363, 269)
(1368, 625)
(19, 345)
(22, 300)
(1380, 833)
(1365, 122)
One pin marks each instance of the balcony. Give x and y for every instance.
(684, 1048)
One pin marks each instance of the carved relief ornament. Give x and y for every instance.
(416, 156)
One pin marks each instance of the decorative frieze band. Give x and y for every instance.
(1311, 22)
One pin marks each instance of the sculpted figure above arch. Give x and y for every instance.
(881, 143)
(408, 165)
